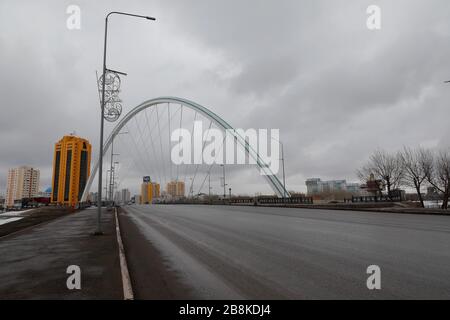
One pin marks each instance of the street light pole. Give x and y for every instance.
(106, 185)
(111, 178)
(284, 176)
(102, 123)
(191, 189)
(113, 181)
(111, 170)
(209, 187)
(285, 193)
(224, 183)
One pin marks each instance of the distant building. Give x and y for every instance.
(47, 193)
(71, 169)
(334, 185)
(432, 194)
(175, 189)
(136, 199)
(373, 186)
(123, 196)
(23, 182)
(354, 188)
(316, 186)
(149, 191)
(313, 186)
(92, 197)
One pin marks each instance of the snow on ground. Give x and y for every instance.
(15, 213)
(8, 220)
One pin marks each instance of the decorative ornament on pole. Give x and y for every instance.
(113, 104)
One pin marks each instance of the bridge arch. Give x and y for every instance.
(271, 178)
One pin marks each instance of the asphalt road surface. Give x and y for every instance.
(230, 252)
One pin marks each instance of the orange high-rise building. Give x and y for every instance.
(71, 169)
(175, 189)
(149, 191)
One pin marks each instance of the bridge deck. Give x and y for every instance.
(252, 252)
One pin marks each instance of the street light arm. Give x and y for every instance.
(130, 14)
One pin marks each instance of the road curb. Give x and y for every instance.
(126, 280)
(362, 209)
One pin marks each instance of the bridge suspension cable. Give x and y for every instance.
(142, 155)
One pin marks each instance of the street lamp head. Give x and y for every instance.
(150, 18)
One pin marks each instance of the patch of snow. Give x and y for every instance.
(5, 221)
(15, 213)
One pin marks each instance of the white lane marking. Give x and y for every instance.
(126, 281)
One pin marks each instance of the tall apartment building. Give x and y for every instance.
(23, 182)
(175, 189)
(123, 196)
(71, 169)
(149, 191)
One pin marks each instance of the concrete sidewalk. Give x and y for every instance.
(33, 263)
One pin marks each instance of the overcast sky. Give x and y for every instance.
(334, 88)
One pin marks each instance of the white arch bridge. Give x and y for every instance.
(270, 177)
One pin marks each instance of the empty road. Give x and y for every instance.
(230, 252)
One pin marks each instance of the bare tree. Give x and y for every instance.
(438, 175)
(414, 164)
(386, 167)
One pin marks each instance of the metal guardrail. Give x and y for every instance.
(256, 201)
(243, 200)
(247, 200)
(293, 200)
(384, 198)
